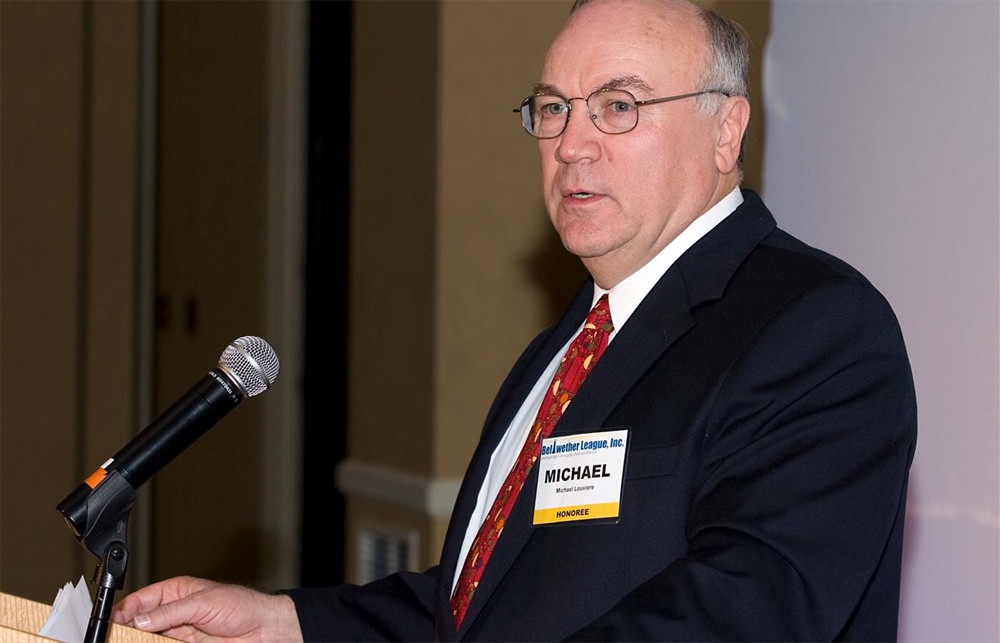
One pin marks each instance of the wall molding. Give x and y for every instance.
(433, 497)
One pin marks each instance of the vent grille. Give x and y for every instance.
(384, 551)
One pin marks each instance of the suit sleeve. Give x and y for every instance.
(797, 505)
(395, 608)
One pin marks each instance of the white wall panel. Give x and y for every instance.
(883, 130)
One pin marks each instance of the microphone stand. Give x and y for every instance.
(98, 517)
(110, 577)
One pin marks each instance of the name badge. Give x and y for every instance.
(580, 477)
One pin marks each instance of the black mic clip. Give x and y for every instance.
(99, 516)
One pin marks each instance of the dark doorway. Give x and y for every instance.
(325, 390)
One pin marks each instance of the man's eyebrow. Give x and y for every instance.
(539, 89)
(622, 82)
(626, 82)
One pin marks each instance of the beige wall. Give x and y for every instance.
(68, 198)
(392, 289)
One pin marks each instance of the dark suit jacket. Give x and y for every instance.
(772, 424)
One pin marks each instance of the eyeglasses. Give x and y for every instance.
(613, 111)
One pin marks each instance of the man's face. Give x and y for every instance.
(617, 200)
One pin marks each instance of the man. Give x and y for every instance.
(761, 388)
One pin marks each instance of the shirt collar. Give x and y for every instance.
(626, 296)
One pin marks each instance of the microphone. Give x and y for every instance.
(247, 367)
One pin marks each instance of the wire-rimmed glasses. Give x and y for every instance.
(613, 111)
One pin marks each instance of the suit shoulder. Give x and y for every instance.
(789, 269)
(784, 278)
(784, 249)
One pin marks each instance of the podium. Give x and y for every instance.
(20, 619)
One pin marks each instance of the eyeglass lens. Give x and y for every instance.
(612, 111)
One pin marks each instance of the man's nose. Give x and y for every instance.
(581, 140)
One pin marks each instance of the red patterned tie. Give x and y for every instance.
(578, 361)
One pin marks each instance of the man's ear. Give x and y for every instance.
(733, 119)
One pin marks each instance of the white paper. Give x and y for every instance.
(70, 614)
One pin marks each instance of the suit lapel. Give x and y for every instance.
(662, 317)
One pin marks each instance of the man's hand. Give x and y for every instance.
(193, 609)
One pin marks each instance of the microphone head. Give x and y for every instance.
(252, 363)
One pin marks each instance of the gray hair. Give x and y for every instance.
(728, 59)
